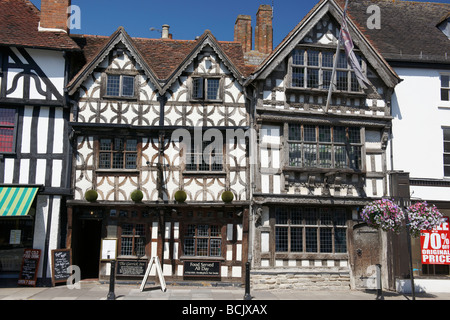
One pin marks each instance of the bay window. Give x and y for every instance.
(324, 146)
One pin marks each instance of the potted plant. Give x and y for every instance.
(180, 196)
(137, 195)
(91, 195)
(227, 196)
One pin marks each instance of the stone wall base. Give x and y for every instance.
(301, 279)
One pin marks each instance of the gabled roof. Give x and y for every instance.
(19, 20)
(322, 8)
(162, 59)
(230, 53)
(102, 49)
(408, 29)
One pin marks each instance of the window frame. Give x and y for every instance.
(442, 88)
(112, 151)
(134, 236)
(203, 82)
(318, 144)
(194, 152)
(195, 237)
(304, 64)
(121, 76)
(446, 151)
(316, 244)
(14, 130)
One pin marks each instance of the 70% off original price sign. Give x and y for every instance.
(435, 244)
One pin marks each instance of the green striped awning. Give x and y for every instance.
(16, 201)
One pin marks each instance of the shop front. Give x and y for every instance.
(193, 243)
(431, 258)
(17, 212)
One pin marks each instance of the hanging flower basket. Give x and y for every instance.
(137, 195)
(422, 216)
(383, 214)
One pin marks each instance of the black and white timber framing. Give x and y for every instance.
(32, 83)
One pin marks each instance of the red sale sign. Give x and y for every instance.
(435, 244)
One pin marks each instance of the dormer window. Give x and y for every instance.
(120, 86)
(444, 26)
(206, 88)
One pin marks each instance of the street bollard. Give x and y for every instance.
(111, 295)
(379, 286)
(247, 295)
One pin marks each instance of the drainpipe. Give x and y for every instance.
(251, 99)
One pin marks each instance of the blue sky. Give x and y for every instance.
(187, 19)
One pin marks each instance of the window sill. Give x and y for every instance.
(198, 173)
(123, 257)
(202, 258)
(133, 98)
(313, 91)
(121, 171)
(322, 170)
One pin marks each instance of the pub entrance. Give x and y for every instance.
(86, 246)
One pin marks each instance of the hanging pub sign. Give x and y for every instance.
(435, 244)
(29, 268)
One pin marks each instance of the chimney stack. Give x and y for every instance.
(243, 32)
(165, 32)
(54, 15)
(264, 30)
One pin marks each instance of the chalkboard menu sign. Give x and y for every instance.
(61, 260)
(29, 268)
(130, 268)
(202, 268)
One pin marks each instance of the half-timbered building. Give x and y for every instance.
(420, 125)
(165, 119)
(319, 161)
(34, 150)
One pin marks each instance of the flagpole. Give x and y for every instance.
(336, 59)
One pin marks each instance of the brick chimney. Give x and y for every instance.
(54, 15)
(264, 30)
(243, 32)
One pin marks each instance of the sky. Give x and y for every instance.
(187, 19)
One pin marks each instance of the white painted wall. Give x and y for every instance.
(417, 128)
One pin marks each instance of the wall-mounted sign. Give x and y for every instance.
(202, 268)
(130, 268)
(109, 249)
(435, 244)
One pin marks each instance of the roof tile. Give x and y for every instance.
(19, 21)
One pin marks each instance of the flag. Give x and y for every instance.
(353, 60)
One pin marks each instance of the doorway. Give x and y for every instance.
(366, 255)
(88, 247)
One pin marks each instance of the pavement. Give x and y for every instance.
(95, 290)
